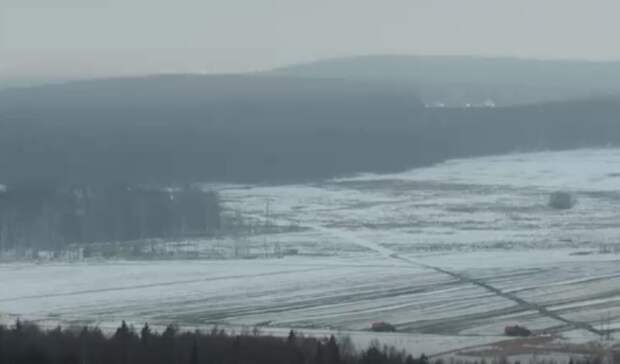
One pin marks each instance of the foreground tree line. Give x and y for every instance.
(48, 217)
(26, 343)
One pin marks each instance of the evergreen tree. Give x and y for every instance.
(145, 334)
(333, 352)
(194, 354)
(319, 356)
(292, 338)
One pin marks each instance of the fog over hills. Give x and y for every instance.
(458, 80)
(309, 182)
(449, 80)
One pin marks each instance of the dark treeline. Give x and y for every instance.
(183, 129)
(27, 344)
(46, 217)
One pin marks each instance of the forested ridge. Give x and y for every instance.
(98, 161)
(184, 129)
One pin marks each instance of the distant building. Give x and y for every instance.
(517, 331)
(435, 105)
(488, 103)
(382, 326)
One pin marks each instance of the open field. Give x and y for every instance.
(449, 254)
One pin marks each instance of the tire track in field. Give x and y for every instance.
(161, 284)
(334, 298)
(390, 254)
(509, 296)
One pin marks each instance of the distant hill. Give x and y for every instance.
(182, 129)
(456, 81)
(191, 128)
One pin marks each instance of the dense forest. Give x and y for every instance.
(95, 161)
(25, 343)
(50, 218)
(184, 129)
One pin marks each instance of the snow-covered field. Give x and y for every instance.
(450, 254)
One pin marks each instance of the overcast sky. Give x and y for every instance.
(65, 37)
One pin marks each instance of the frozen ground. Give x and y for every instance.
(449, 254)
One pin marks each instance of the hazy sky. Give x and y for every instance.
(65, 37)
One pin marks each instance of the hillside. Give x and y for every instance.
(180, 129)
(456, 81)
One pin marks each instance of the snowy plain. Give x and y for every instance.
(450, 254)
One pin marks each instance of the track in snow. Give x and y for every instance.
(509, 296)
(389, 254)
(153, 285)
